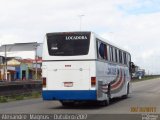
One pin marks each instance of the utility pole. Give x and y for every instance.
(112, 36)
(5, 71)
(80, 16)
(36, 57)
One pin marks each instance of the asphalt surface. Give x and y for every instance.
(144, 99)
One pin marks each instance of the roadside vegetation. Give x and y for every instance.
(145, 78)
(10, 98)
(3, 99)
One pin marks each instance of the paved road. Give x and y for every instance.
(145, 97)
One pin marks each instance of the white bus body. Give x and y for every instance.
(80, 66)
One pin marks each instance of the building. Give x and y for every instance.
(1, 67)
(21, 63)
(22, 69)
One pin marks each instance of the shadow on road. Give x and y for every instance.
(82, 105)
(89, 105)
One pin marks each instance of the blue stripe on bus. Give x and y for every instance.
(69, 95)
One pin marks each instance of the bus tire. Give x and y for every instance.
(107, 102)
(64, 103)
(109, 92)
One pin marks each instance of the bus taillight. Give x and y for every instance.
(44, 81)
(93, 81)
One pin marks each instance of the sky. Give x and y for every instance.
(131, 24)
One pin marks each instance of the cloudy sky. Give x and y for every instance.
(131, 24)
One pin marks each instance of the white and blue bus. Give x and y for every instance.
(81, 66)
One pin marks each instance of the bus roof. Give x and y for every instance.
(96, 35)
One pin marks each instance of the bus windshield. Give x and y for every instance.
(68, 44)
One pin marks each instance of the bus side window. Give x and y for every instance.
(124, 57)
(111, 53)
(98, 49)
(105, 52)
(129, 59)
(114, 54)
(127, 62)
(101, 50)
(108, 52)
(118, 61)
(97, 46)
(116, 57)
(120, 56)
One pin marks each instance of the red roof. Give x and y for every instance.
(39, 60)
(26, 60)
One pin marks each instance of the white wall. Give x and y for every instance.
(22, 54)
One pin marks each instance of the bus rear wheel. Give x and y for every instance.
(107, 102)
(67, 103)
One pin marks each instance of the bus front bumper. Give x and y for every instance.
(69, 95)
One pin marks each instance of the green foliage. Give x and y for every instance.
(3, 99)
(20, 97)
(145, 78)
(35, 94)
